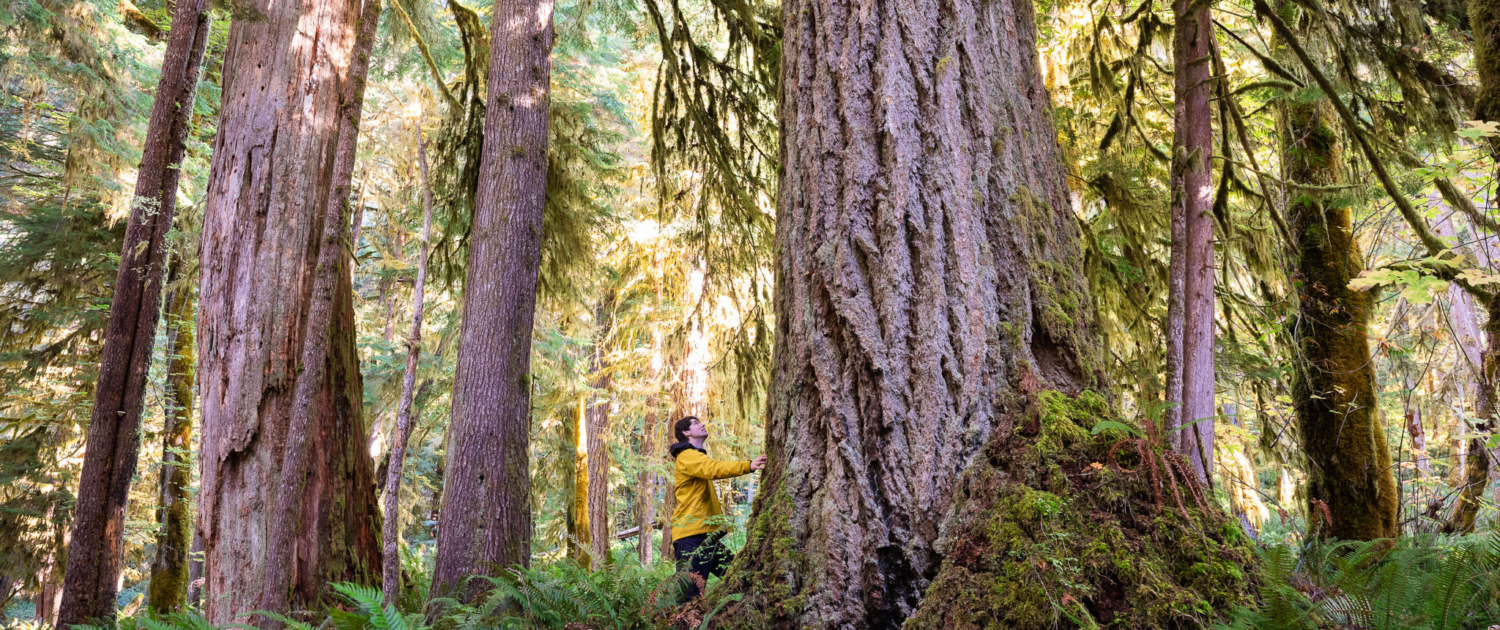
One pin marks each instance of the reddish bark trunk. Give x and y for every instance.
(95, 550)
(286, 517)
(391, 584)
(486, 521)
(1192, 188)
(275, 529)
(927, 281)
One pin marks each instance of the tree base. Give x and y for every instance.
(1064, 521)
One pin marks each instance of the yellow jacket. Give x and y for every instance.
(697, 501)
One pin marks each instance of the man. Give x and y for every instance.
(697, 537)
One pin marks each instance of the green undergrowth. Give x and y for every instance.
(556, 596)
(1058, 525)
(1419, 583)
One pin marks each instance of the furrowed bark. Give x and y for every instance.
(169, 569)
(96, 547)
(286, 513)
(1192, 188)
(1351, 489)
(927, 281)
(278, 525)
(486, 521)
(391, 584)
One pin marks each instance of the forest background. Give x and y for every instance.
(657, 255)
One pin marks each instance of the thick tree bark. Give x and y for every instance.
(928, 277)
(169, 569)
(278, 525)
(1176, 274)
(486, 521)
(391, 584)
(1192, 188)
(1351, 489)
(286, 514)
(96, 547)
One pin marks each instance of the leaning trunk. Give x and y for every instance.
(486, 520)
(1350, 487)
(96, 547)
(169, 569)
(1192, 189)
(280, 171)
(391, 582)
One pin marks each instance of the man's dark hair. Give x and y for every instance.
(682, 426)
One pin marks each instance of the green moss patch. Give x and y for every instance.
(1046, 533)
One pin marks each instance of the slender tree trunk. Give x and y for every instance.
(392, 556)
(598, 449)
(927, 280)
(485, 515)
(1351, 489)
(169, 569)
(1484, 18)
(1176, 274)
(279, 374)
(96, 547)
(1192, 188)
(646, 484)
(580, 541)
(195, 572)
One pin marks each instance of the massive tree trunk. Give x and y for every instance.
(391, 582)
(928, 279)
(288, 82)
(169, 569)
(96, 547)
(1192, 190)
(486, 519)
(1351, 489)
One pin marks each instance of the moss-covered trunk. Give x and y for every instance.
(1351, 490)
(933, 326)
(169, 568)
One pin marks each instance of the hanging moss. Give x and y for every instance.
(1046, 534)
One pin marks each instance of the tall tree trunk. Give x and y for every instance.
(1484, 17)
(277, 524)
(96, 547)
(646, 484)
(169, 569)
(1176, 274)
(286, 514)
(576, 488)
(391, 585)
(927, 279)
(597, 417)
(1351, 489)
(485, 514)
(1192, 189)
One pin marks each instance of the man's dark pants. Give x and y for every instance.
(703, 555)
